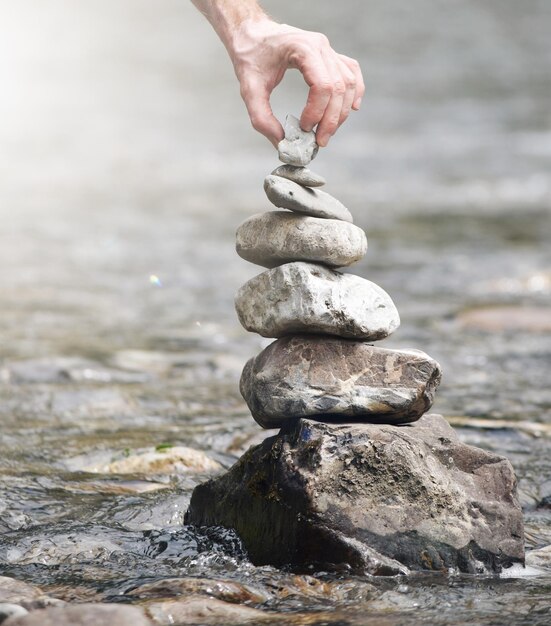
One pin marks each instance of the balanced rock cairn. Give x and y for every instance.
(358, 476)
(322, 364)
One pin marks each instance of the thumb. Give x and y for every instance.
(257, 100)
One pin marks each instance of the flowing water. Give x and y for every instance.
(126, 163)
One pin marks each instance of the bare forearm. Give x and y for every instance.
(262, 51)
(226, 16)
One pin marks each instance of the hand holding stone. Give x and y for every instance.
(262, 51)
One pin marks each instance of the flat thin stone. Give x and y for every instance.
(300, 175)
(299, 147)
(309, 298)
(278, 237)
(337, 379)
(286, 194)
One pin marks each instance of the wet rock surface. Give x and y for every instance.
(300, 175)
(371, 497)
(298, 147)
(308, 298)
(203, 610)
(83, 615)
(291, 379)
(278, 237)
(285, 194)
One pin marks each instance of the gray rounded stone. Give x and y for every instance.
(278, 237)
(299, 147)
(335, 379)
(286, 194)
(309, 298)
(300, 175)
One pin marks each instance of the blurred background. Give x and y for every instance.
(126, 163)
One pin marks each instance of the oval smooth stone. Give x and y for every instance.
(278, 237)
(337, 379)
(300, 175)
(309, 298)
(285, 194)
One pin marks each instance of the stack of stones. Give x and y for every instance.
(357, 478)
(322, 364)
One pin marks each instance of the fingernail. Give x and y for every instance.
(357, 104)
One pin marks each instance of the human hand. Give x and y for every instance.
(262, 51)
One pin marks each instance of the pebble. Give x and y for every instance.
(285, 194)
(173, 460)
(299, 147)
(204, 610)
(11, 610)
(300, 175)
(539, 558)
(14, 591)
(317, 376)
(278, 237)
(308, 298)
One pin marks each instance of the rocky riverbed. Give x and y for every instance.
(123, 181)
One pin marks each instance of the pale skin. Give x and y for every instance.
(262, 50)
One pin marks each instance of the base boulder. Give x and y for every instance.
(375, 498)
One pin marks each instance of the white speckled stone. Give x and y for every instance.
(286, 194)
(300, 175)
(309, 298)
(278, 237)
(299, 147)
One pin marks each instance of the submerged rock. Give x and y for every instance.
(309, 298)
(335, 379)
(226, 590)
(169, 460)
(278, 237)
(83, 615)
(285, 194)
(300, 175)
(374, 498)
(299, 147)
(203, 610)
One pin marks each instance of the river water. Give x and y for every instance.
(126, 163)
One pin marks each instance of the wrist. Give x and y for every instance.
(247, 33)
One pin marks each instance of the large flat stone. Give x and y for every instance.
(285, 194)
(298, 147)
(309, 298)
(278, 237)
(379, 499)
(336, 379)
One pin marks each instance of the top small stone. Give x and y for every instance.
(299, 147)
